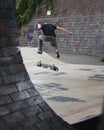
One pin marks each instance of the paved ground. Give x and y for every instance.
(79, 59)
(76, 91)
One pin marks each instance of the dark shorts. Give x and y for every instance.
(50, 39)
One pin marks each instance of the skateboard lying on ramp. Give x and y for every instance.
(48, 66)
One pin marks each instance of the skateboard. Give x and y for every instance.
(48, 66)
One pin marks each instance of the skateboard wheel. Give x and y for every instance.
(39, 64)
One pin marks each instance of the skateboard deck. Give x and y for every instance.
(48, 66)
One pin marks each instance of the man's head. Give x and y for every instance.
(40, 23)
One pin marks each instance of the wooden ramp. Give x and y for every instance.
(75, 92)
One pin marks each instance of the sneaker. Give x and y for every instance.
(39, 52)
(58, 55)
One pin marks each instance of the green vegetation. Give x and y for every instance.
(102, 58)
(26, 8)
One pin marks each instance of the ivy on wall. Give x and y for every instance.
(26, 8)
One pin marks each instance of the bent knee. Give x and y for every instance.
(41, 37)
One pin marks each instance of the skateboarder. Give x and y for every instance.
(46, 32)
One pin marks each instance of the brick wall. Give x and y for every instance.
(84, 18)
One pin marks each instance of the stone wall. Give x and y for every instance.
(77, 7)
(87, 39)
(84, 18)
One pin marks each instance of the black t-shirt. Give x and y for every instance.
(49, 29)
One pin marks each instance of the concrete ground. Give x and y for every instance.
(76, 91)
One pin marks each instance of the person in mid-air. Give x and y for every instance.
(46, 32)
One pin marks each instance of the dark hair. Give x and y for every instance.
(41, 22)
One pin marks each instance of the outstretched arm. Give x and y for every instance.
(65, 30)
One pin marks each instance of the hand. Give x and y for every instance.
(71, 33)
